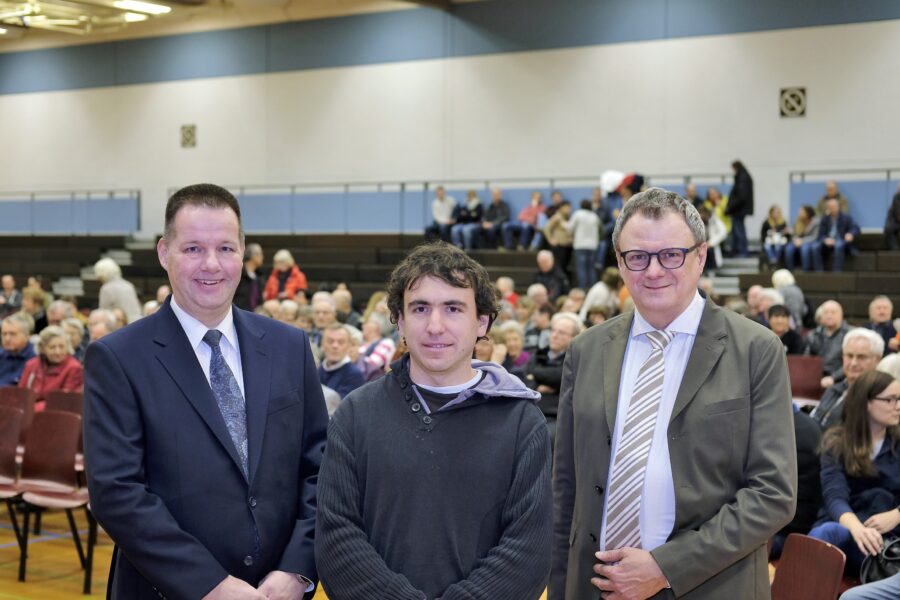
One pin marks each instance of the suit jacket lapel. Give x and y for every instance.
(708, 347)
(257, 371)
(180, 360)
(614, 354)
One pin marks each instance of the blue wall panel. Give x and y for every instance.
(74, 67)
(266, 213)
(53, 216)
(319, 213)
(373, 212)
(15, 216)
(416, 211)
(117, 215)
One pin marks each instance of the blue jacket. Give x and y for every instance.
(11, 365)
(864, 496)
(845, 225)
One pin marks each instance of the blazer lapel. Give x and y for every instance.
(180, 360)
(614, 351)
(257, 377)
(708, 347)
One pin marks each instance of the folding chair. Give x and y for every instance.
(10, 428)
(809, 569)
(72, 402)
(805, 373)
(22, 398)
(49, 481)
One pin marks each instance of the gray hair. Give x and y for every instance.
(782, 277)
(106, 269)
(772, 295)
(109, 319)
(881, 297)
(577, 325)
(23, 320)
(385, 327)
(890, 364)
(54, 331)
(512, 326)
(876, 342)
(654, 203)
(356, 336)
(534, 288)
(66, 307)
(74, 324)
(284, 255)
(323, 297)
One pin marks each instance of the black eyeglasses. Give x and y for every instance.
(892, 400)
(668, 258)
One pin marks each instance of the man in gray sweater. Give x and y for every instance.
(436, 477)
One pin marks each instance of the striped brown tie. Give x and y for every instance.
(623, 510)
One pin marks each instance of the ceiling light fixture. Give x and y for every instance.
(142, 7)
(131, 17)
(2, 31)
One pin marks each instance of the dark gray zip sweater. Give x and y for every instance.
(452, 505)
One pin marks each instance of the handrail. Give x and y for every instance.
(848, 171)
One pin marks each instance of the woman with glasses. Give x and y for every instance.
(861, 470)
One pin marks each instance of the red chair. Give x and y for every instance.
(49, 481)
(72, 402)
(805, 373)
(22, 398)
(809, 569)
(10, 428)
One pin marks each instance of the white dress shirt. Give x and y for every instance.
(231, 351)
(658, 497)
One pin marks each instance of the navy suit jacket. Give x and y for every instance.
(845, 225)
(164, 477)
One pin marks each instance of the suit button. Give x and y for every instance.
(416, 407)
(426, 419)
(599, 489)
(248, 561)
(593, 538)
(252, 502)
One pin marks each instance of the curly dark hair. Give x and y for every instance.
(450, 265)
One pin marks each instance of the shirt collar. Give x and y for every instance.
(195, 330)
(687, 322)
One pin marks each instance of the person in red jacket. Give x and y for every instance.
(286, 279)
(54, 368)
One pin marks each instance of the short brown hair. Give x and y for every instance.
(200, 194)
(450, 265)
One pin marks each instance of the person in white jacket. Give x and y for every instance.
(716, 233)
(586, 229)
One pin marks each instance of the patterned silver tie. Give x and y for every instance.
(228, 395)
(623, 510)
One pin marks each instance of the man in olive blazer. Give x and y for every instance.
(730, 435)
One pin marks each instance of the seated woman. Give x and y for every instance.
(377, 348)
(775, 235)
(512, 335)
(54, 368)
(286, 280)
(806, 232)
(861, 470)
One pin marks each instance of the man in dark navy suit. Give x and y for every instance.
(204, 429)
(837, 234)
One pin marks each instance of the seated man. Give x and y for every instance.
(780, 324)
(10, 297)
(537, 331)
(862, 349)
(545, 368)
(324, 314)
(525, 224)
(15, 331)
(443, 210)
(550, 275)
(468, 221)
(337, 370)
(495, 217)
(826, 339)
(832, 193)
(837, 235)
(881, 311)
